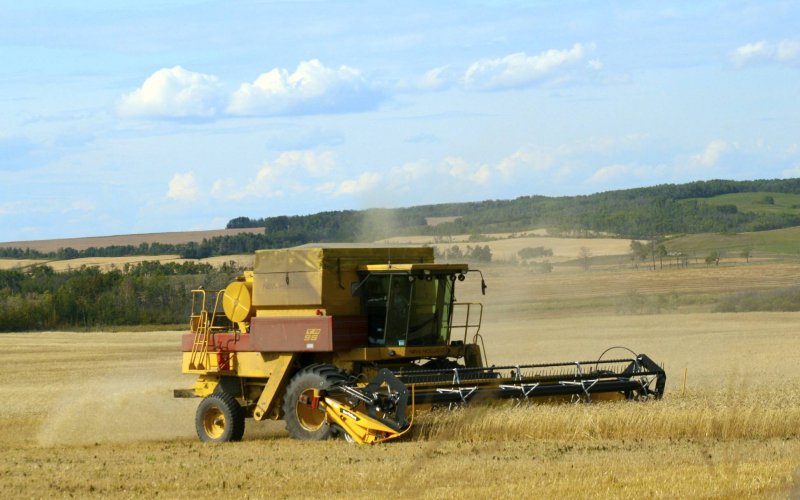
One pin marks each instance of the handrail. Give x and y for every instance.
(468, 317)
(203, 326)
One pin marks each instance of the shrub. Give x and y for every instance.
(782, 299)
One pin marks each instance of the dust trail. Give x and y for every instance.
(119, 406)
(378, 224)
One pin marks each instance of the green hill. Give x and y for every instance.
(760, 202)
(777, 241)
(716, 206)
(696, 207)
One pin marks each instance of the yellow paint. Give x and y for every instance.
(359, 426)
(272, 313)
(273, 392)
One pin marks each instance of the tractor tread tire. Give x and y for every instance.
(232, 411)
(321, 376)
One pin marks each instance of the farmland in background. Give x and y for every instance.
(758, 202)
(777, 241)
(171, 238)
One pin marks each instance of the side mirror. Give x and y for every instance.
(483, 287)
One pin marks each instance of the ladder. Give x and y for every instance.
(199, 359)
(202, 326)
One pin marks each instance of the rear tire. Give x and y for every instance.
(302, 421)
(219, 419)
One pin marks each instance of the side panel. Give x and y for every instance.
(292, 334)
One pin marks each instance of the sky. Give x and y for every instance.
(149, 116)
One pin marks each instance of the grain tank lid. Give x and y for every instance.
(341, 257)
(288, 260)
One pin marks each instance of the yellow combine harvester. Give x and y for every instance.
(349, 340)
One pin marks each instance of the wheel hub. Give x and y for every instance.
(214, 423)
(310, 418)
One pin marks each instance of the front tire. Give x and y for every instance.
(302, 421)
(219, 419)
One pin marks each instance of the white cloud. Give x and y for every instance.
(174, 93)
(363, 183)
(288, 173)
(786, 51)
(312, 89)
(792, 172)
(437, 79)
(183, 187)
(433, 80)
(458, 168)
(609, 173)
(521, 70)
(268, 173)
(525, 159)
(595, 64)
(414, 170)
(712, 153)
(744, 53)
(315, 164)
(227, 189)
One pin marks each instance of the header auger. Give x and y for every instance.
(351, 340)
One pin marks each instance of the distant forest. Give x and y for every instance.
(642, 213)
(631, 213)
(148, 293)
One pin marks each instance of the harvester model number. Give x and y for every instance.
(312, 334)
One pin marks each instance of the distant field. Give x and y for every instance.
(504, 247)
(778, 241)
(435, 221)
(784, 203)
(109, 263)
(528, 294)
(126, 239)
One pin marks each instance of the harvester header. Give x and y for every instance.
(342, 339)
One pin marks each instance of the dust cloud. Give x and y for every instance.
(120, 406)
(378, 224)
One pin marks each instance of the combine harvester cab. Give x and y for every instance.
(352, 340)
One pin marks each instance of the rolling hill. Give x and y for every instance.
(703, 207)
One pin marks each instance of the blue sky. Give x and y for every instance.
(131, 117)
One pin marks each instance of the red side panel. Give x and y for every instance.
(292, 334)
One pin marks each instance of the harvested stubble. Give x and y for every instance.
(91, 414)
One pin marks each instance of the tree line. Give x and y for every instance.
(146, 293)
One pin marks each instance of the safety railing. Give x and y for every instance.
(466, 317)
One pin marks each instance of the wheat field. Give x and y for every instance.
(90, 414)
